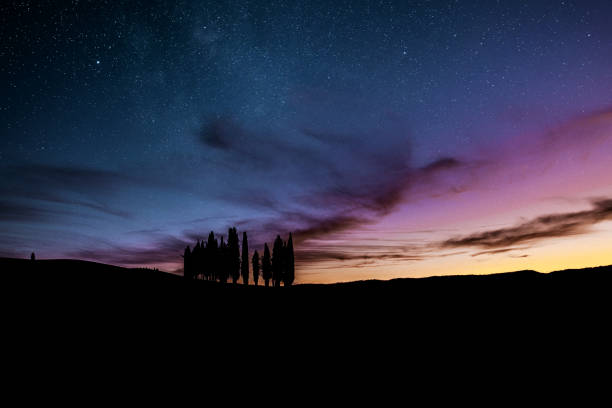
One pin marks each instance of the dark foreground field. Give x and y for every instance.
(83, 302)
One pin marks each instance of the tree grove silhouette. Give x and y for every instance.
(219, 261)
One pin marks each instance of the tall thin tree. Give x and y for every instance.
(187, 263)
(244, 266)
(222, 261)
(255, 262)
(266, 266)
(204, 262)
(196, 260)
(289, 271)
(233, 254)
(278, 261)
(212, 258)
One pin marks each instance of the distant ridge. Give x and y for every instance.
(80, 269)
(74, 269)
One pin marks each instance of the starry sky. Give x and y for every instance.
(393, 138)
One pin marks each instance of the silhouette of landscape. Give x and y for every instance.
(172, 169)
(107, 302)
(74, 277)
(217, 273)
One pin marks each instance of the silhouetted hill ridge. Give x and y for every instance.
(61, 269)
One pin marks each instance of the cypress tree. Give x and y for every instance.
(204, 263)
(255, 261)
(196, 261)
(187, 263)
(244, 267)
(222, 261)
(233, 254)
(278, 260)
(289, 275)
(266, 265)
(212, 252)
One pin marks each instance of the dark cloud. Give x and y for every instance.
(359, 255)
(242, 149)
(544, 227)
(220, 133)
(497, 251)
(359, 204)
(317, 227)
(349, 178)
(312, 256)
(444, 163)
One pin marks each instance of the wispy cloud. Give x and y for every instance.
(314, 254)
(165, 249)
(498, 251)
(73, 178)
(20, 212)
(540, 228)
(40, 191)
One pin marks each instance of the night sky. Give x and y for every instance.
(393, 138)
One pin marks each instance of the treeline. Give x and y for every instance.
(221, 261)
